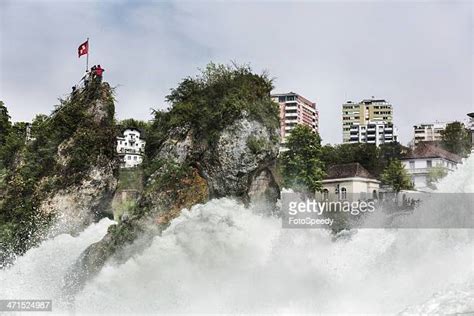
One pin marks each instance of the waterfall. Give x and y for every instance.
(224, 258)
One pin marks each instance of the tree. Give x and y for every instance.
(5, 124)
(396, 176)
(302, 168)
(388, 152)
(435, 174)
(456, 139)
(133, 123)
(365, 154)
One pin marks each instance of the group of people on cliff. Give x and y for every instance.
(94, 74)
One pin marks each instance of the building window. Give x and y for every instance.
(325, 194)
(343, 193)
(374, 194)
(428, 164)
(412, 165)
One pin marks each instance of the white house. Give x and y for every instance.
(130, 147)
(351, 180)
(424, 158)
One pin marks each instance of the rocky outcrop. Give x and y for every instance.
(190, 171)
(242, 151)
(76, 204)
(79, 203)
(76, 207)
(219, 139)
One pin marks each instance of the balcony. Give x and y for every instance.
(418, 170)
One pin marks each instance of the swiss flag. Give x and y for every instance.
(83, 48)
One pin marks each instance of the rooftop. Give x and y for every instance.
(348, 170)
(430, 150)
(291, 93)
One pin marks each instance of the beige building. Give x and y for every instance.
(348, 181)
(368, 110)
(295, 109)
(428, 132)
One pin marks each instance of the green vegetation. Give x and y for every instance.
(126, 207)
(130, 184)
(302, 168)
(396, 176)
(435, 174)
(142, 126)
(456, 139)
(213, 100)
(256, 144)
(5, 123)
(130, 179)
(374, 159)
(36, 168)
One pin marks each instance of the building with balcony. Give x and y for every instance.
(428, 132)
(373, 132)
(295, 109)
(361, 113)
(130, 147)
(424, 158)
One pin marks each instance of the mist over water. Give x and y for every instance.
(221, 257)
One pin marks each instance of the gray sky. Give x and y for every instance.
(417, 55)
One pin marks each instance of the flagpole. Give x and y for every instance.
(87, 59)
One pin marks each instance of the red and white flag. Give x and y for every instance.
(83, 48)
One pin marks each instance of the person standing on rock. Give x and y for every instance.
(86, 78)
(98, 72)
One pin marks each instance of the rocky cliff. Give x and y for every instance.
(77, 205)
(65, 176)
(193, 158)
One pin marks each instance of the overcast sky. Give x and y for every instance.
(416, 55)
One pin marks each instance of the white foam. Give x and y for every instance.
(221, 257)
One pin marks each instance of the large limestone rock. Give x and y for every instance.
(191, 170)
(76, 207)
(243, 150)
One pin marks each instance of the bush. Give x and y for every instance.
(213, 100)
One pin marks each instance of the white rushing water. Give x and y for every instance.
(221, 257)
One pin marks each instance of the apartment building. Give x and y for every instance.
(373, 132)
(130, 148)
(295, 109)
(428, 132)
(363, 112)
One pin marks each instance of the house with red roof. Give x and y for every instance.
(424, 158)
